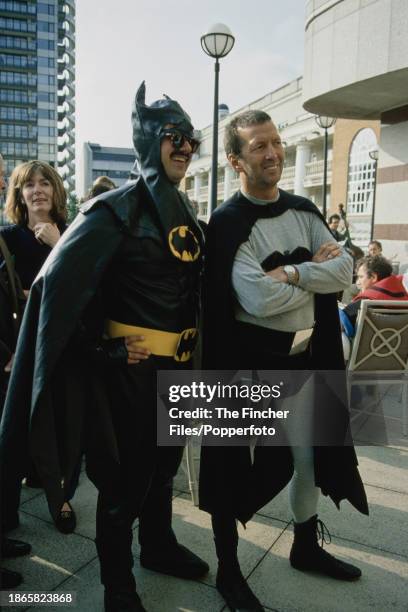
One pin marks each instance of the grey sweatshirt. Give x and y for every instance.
(262, 300)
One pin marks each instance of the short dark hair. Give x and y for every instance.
(100, 185)
(232, 141)
(376, 264)
(334, 216)
(377, 242)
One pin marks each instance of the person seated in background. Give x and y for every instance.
(376, 282)
(374, 248)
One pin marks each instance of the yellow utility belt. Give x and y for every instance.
(180, 346)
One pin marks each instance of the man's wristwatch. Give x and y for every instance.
(292, 273)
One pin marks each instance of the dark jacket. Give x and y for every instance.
(28, 254)
(12, 301)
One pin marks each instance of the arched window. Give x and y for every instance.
(361, 173)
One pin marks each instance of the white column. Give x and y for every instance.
(302, 158)
(227, 181)
(197, 187)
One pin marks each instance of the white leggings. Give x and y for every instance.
(303, 494)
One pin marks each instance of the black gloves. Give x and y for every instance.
(109, 352)
(97, 351)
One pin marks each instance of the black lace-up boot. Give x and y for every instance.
(307, 555)
(230, 582)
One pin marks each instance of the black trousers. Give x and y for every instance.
(144, 484)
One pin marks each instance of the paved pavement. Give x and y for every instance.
(378, 544)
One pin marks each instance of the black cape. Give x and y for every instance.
(53, 396)
(228, 479)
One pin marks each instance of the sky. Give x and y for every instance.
(119, 43)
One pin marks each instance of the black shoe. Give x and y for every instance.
(66, 520)
(9, 579)
(14, 548)
(177, 561)
(236, 592)
(122, 600)
(307, 555)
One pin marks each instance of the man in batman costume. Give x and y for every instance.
(272, 268)
(131, 261)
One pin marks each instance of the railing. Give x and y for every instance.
(316, 168)
(66, 79)
(313, 176)
(288, 177)
(203, 191)
(288, 173)
(360, 226)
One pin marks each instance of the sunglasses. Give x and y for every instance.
(178, 139)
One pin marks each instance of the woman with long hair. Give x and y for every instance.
(36, 206)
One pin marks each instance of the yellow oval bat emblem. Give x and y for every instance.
(184, 244)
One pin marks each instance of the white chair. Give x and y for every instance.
(189, 469)
(192, 472)
(380, 349)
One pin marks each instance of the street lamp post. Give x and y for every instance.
(374, 156)
(325, 123)
(217, 42)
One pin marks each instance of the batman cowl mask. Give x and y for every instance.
(148, 125)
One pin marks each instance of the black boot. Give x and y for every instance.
(307, 555)
(230, 582)
(9, 579)
(14, 548)
(122, 600)
(177, 561)
(160, 550)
